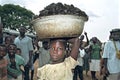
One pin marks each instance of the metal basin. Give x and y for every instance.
(59, 26)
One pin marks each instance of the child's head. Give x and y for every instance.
(18, 51)
(57, 50)
(2, 51)
(12, 49)
(8, 40)
(45, 45)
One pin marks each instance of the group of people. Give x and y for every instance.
(17, 52)
(59, 59)
(91, 55)
(18, 55)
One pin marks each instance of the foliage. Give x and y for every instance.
(14, 16)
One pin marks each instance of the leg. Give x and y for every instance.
(75, 73)
(35, 57)
(93, 75)
(86, 72)
(104, 78)
(26, 73)
(80, 70)
(32, 74)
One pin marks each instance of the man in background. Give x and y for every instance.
(25, 44)
(111, 56)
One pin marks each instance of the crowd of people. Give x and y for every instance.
(59, 59)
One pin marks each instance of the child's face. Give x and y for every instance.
(18, 52)
(12, 49)
(8, 40)
(2, 52)
(57, 51)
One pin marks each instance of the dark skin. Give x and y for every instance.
(105, 69)
(22, 31)
(94, 40)
(2, 52)
(8, 41)
(75, 47)
(86, 38)
(18, 51)
(57, 50)
(35, 43)
(11, 50)
(84, 44)
(81, 39)
(11, 54)
(45, 45)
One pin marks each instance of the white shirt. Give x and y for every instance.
(109, 52)
(25, 45)
(80, 57)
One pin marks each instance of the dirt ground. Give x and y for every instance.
(86, 77)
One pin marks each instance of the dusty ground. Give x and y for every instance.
(86, 77)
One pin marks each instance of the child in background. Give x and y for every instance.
(18, 51)
(60, 67)
(3, 63)
(15, 62)
(8, 41)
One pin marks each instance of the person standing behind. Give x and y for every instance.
(3, 63)
(95, 49)
(7, 41)
(85, 45)
(36, 50)
(44, 56)
(25, 44)
(111, 58)
(15, 62)
(79, 68)
(18, 51)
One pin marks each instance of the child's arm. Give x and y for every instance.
(75, 47)
(86, 39)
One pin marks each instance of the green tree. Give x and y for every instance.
(14, 16)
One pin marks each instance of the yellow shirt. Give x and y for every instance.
(60, 71)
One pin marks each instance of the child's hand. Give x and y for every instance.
(22, 68)
(85, 33)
